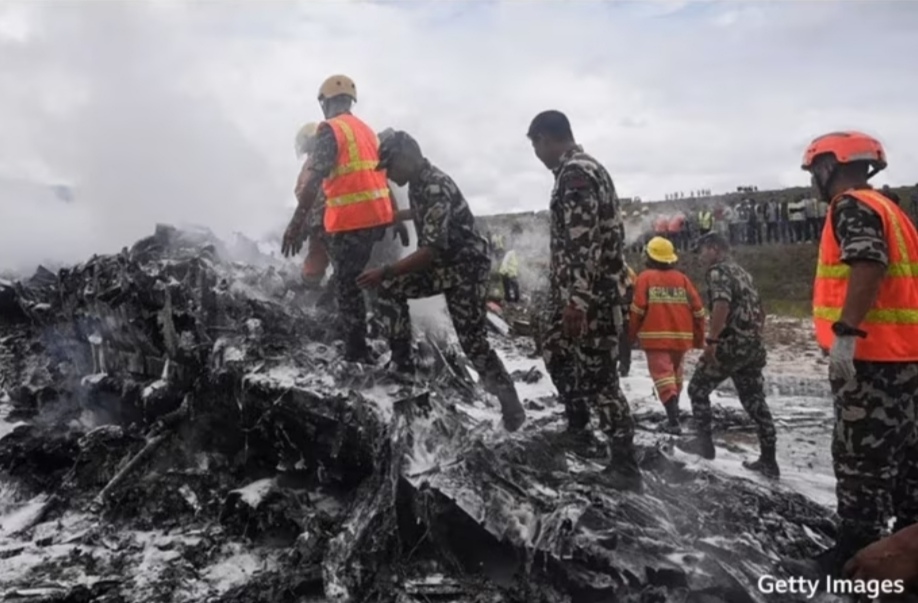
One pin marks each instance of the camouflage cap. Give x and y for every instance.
(394, 142)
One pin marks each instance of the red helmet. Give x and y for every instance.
(846, 147)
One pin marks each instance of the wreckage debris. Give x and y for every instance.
(533, 375)
(187, 431)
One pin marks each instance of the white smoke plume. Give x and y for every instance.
(135, 140)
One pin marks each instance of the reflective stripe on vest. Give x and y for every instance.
(666, 335)
(357, 196)
(892, 323)
(354, 163)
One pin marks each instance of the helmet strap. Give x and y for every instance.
(823, 188)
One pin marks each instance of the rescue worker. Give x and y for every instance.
(359, 205)
(705, 221)
(451, 258)
(316, 261)
(509, 275)
(676, 226)
(587, 264)
(667, 316)
(865, 309)
(624, 343)
(734, 349)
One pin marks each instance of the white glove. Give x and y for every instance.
(841, 358)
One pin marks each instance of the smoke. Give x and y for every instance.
(137, 139)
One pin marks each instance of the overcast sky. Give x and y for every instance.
(172, 111)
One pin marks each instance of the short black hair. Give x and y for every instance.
(551, 124)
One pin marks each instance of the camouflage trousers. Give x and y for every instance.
(587, 377)
(536, 320)
(624, 345)
(349, 253)
(743, 363)
(875, 446)
(465, 289)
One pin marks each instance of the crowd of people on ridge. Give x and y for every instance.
(797, 219)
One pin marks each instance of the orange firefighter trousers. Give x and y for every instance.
(666, 371)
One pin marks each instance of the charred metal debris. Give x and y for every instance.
(180, 427)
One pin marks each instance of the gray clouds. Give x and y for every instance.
(186, 112)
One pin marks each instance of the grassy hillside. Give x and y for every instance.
(783, 274)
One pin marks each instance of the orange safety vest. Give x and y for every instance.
(892, 323)
(356, 195)
(667, 313)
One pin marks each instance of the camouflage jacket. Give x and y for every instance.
(443, 220)
(859, 231)
(727, 281)
(587, 235)
(322, 161)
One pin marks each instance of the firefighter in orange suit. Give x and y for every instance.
(676, 229)
(358, 205)
(667, 316)
(865, 309)
(316, 261)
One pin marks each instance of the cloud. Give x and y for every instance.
(163, 111)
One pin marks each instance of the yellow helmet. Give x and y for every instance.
(305, 139)
(337, 85)
(661, 249)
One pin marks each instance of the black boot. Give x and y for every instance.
(497, 381)
(701, 445)
(577, 414)
(401, 361)
(356, 349)
(767, 464)
(672, 424)
(623, 472)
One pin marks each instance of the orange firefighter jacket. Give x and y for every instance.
(892, 323)
(356, 195)
(667, 313)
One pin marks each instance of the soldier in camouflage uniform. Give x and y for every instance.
(313, 219)
(624, 344)
(349, 251)
(451, 258)
(734, 350)
(875, 440)
(587, 263)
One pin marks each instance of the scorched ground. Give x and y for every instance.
(179, 427)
